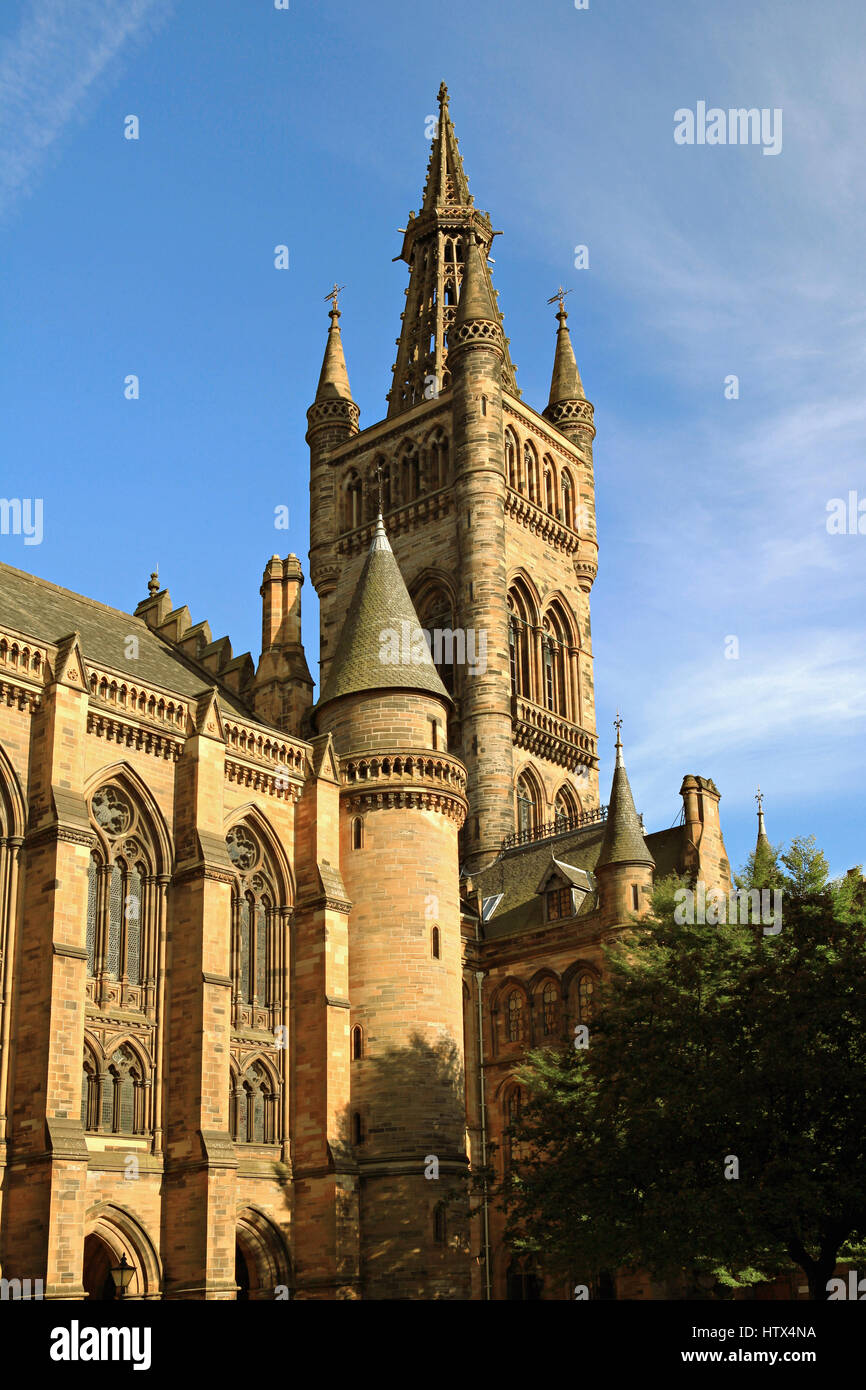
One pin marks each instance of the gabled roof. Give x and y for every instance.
(381, 616)
(557, 868)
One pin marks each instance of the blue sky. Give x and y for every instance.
(306, 127)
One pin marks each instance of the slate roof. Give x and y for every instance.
(380, 603)
(518, 873)
(47, 613)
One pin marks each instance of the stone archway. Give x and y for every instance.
(96, 1275)
(111, 1233)
(262, 1260)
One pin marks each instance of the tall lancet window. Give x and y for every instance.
(511, 461)
(556, 645)
(530, 464)
(521, 636)
(258, 940)
(568, 501)
(124, 901)
(352, 506)
(528, 804)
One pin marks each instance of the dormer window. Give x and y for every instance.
(560, 903)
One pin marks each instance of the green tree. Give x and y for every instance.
(716, 1123)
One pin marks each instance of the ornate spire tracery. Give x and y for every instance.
(435, 246)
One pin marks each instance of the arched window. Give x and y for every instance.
(410, 475)
(522, 624)
(549, 488)
(90, 1107)
(121, 888)
(566, 808)
(256, 1107)
(352, 504)
(530, 464)
(435, 943)
(257, 938)
(511, 461)
(357, 1128)
(357, 833)
(556, 646)
(114, 1096)
(583, 995)
(438, 454)
(439, 1224)
(357, 1043)
(513, 1108)
(528, 804)
(567, 500)
(550, 1009)
(514, 1017)
(435, 614)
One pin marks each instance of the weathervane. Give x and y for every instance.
(560, 295)
(617, 723)
(333, 295)
(759, 797)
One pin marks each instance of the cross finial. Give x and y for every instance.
(617, 724)
(334, 295)
(759, 797)
(153, 585)
(560, 295)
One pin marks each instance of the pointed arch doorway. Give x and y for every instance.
(113, 1233)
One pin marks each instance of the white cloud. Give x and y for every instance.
(48, 71)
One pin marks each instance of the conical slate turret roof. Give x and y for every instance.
(565, 384)
(380, 646)
(623, 841)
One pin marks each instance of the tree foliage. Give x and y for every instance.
(716, 1123)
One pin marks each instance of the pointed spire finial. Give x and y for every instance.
(334, 296)
(379, 481)
(762, 834)
(443, 94)
(617, 724)
(560, 295)
(153, 585)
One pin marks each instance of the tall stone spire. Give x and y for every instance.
(623, 837)
(435, 244)
(565, 384)
(334, 378)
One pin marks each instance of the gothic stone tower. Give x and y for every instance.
(490, 509)
(402, 801)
